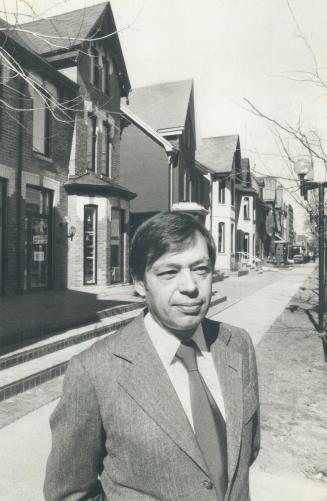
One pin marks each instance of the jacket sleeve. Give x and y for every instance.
(77, 452)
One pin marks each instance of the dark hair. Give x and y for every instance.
(163, 232)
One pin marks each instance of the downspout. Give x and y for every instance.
(19, 285)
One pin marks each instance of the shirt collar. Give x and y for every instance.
(167, 343)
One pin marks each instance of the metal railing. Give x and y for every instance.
(244, 259)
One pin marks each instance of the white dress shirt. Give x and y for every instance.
(167, 344)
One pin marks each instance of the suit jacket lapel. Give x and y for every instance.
(147, 382)
(229, 367)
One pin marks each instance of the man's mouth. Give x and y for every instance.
(191, 308)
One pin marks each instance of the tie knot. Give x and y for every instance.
(187, 354)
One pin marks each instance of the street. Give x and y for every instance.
(292, 463)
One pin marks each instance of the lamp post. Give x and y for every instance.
(302, 168)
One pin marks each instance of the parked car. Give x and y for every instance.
(298, 258)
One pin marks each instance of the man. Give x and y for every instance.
(166, 408)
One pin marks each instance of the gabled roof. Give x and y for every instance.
(67, 31)
(164, 105)
(92, 183)
(71, 26)
(13, 42)
(217, 153)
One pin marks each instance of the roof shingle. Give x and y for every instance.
(164, 105)
(67, 27)
(217, 153)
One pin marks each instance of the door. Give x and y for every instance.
(38, 224)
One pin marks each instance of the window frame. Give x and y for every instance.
(43, 101)
(92, 133)
(106, 168)
(246, 208)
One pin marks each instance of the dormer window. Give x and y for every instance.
(95, 67)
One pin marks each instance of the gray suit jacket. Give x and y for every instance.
(120, 433)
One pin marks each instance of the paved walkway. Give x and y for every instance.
(25, 443)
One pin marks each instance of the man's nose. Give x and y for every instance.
(187, 283)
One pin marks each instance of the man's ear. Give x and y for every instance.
(139, 287)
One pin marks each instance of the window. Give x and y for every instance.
(41, 124)
(232, 238)
(232, 191)
(91, 142)
(90, 244)
(106, 150)
(38, 231)
(221, 191)
(246, 213)
(105, 76)
(95, 67)
(221, 237)
(254, 211)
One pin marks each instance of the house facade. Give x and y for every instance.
(63, 184)
(221, 156)
(33, 170)
(164, 177)
(246, 208)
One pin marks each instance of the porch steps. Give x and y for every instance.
(46, 359)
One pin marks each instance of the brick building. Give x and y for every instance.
(72, 172)
(33, 202)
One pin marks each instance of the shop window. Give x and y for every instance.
(106, 150)
(90, 244)
(41, 124)
(91, 143)
(221, 237)
(246, 208)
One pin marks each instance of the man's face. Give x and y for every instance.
(177, 287)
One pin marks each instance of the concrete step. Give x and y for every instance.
(47, 359)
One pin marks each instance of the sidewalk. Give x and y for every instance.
(292, 376)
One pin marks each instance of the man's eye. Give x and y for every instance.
(201, 270)
(168, 273)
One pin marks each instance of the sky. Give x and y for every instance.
(233, 49)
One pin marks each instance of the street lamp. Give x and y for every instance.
(302, 168)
